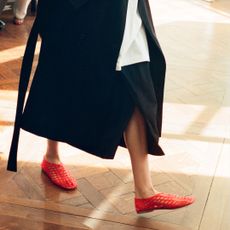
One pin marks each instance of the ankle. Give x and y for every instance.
(145, 193)
(52, 157)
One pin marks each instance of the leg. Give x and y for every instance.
(135, 138)
(20, 10)
(146, 197)
(54, 169)
(52, 152)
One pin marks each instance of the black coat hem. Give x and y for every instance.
(99, 153)
(108, 154)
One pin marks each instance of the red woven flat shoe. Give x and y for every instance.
(162, 201)
(58, 174)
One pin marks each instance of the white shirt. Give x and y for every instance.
(134, 48)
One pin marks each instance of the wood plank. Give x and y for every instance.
(92, 214)
(75, 201)
(104, 180)
(95, 197)
(29, 186)
(203, 181)
(216, 212)
(17, 223)
(40, 215)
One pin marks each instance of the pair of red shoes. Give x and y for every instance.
(60, 176)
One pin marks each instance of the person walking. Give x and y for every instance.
(20, 10)
(99, 84)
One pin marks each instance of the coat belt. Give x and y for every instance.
(23, 86)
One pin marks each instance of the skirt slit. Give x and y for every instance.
(139, 83)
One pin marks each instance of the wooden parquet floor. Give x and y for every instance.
(196, 137)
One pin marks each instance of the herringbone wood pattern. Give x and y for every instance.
(196, 132)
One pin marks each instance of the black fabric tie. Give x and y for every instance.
(23, 85)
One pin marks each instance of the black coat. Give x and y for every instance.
(76, 95)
